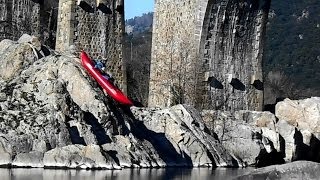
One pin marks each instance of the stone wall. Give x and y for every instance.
(175, 46)
(96, 27)
(18, 17)
(208, 54)
(231, 55)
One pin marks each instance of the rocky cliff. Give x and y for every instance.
(52, 114)
(263, 138)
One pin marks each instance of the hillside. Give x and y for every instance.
(137, 53)
(293, 41)
(139, 24)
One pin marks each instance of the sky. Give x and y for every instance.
(137, 7)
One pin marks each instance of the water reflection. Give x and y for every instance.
(126, 174)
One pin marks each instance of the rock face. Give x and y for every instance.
(193, 141)
(303, 114)
(295, 170)
(301, 119)
(53, 114)
(240, 135)
(262, 138)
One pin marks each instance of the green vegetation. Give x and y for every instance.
(293, 42)
(140, 24)
(137, 54)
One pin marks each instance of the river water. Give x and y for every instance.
(126, 174)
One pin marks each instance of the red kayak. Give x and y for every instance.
(111, 89)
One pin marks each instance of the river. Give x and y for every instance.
(125, 174)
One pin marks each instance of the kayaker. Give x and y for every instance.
(99, 65)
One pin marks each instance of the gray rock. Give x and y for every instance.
(131, 152)
(79, 156)
(25, 38)
(287, 132)
(256, 118)
(303, 114)
(295, 171)
(249, 135)
(5, 159)
(259, 139)
(51, 104)
(182, 128)
(40, 98)
(31, 159)
(5, 153)
(101, 159)
(67, 156)
(40, 146)
(14, 58)
(32, 40)
(3, 97)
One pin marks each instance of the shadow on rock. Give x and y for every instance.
(159, 141)
(96, 128)
(304, 151)
(74, 134)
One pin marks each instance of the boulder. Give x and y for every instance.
(32, 40)
(259, 139)
(100, 158)
(14, 58)
(303, 114)
(68, 156)
(131, 152)
(241, 135)
(30, 159)
(181, 133)
(287, 133)
(295, 170)
(256, 118)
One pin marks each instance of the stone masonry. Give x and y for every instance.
(176, 38)
(96, 27)
(18, 17)
(208, 54)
